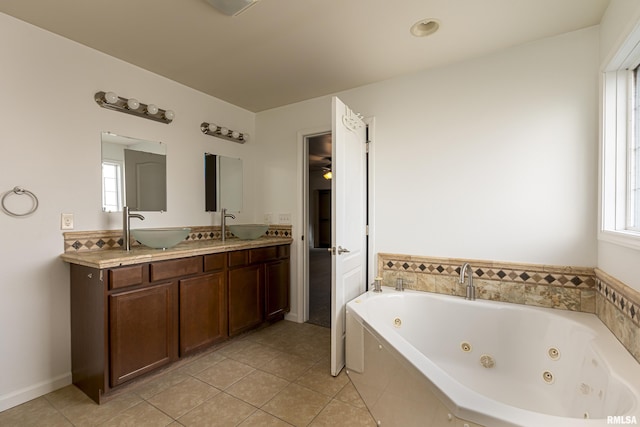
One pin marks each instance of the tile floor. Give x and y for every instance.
(277, 376)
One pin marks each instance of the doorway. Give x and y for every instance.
(319, 228)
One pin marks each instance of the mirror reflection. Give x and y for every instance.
(223, 183)
(134, 174)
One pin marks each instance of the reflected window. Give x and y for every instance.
(111, 186)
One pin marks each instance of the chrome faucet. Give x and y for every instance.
(471, 289)
(223, 222)
(126, 227)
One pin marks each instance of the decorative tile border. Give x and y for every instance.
(618, 306)
(624, 298)
(81, 241)
(571, 288)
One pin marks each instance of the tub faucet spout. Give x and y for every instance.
(471, 289)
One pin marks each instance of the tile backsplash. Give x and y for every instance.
(569, 288)
(80, 241)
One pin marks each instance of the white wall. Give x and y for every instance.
(619, 20)
(493, 158)
(50, 139)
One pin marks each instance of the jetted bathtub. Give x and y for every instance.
(424, 359)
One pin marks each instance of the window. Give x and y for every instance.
(620, 155)
(633, 196)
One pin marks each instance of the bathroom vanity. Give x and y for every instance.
(132, 313)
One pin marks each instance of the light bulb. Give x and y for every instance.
(235, 134)
(224, 131)
(245, 136)
(111, 97)
(169, 114)
(152, 109)
(133, 104)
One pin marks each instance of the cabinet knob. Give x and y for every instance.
(90, 275)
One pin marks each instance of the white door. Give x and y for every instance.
(348, 229)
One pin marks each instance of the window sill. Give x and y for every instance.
(629, 239)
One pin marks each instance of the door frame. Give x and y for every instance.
(302, 204)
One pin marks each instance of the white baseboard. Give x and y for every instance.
(293, 317)
(18, 397)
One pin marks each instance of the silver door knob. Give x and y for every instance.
(342, 250)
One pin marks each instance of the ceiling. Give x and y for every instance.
(282, 51)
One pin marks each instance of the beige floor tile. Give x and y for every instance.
(202, 363)
(319, 378)
(179, 399)
(255, 371)
(89, 413)
(337, 413)
(37, 412)
(257, 388)
(222, 410)
(287, 366)
(160, 383)
(350, 395)
(262, 419)
(66, 396)
(255, 354)
(225, 373)
(296, 405)
(141, 415)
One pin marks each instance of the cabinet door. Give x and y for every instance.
(246, 299)
(203, 311)
(141, 331)
(276, 288)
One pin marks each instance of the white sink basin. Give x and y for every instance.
(248, 231)
(160, 238)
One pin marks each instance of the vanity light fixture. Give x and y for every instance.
(223, 132)
(114, 102)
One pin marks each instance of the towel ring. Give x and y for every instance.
(20, 191)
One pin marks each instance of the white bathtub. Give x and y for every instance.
(422, 359)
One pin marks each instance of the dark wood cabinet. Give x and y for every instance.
(128, 321)
(246, 308)
(276, 288)
(203, 311)
(142, 331)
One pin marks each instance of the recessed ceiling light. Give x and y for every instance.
(425, 27)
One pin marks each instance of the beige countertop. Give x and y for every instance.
(141, 254)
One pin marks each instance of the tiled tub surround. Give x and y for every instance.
(569, 288)
(81, 241)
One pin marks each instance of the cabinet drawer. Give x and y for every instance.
(214, 262)
(175, 268)
(125, 276)
(238, 258)
(263, 254)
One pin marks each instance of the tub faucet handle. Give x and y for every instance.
(377, 284)
(400, 282)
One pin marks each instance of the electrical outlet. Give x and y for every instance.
(268, 218)
(284, 218)
(66, 221)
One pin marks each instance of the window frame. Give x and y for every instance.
(618, 104)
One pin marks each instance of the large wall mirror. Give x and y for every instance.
(134, 174)
(223, 183)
